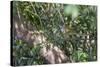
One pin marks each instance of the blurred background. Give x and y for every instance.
(52, 33)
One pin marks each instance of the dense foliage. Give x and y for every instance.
(73, 28)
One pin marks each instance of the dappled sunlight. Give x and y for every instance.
(49, 33)
(53, 54)
(16, 25)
